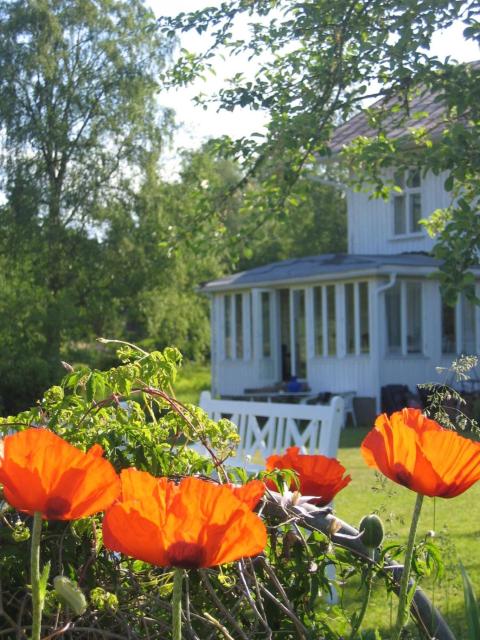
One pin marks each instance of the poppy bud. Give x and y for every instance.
(71, 594)
(371, 528)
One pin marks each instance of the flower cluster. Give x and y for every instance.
(194, 524)
(198, 523)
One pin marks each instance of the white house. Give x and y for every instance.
(346, 322)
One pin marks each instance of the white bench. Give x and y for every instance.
(271, 427)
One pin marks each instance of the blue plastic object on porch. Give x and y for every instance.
(294, 385)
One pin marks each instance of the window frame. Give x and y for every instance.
(459, 327)
(407, 192)
(357, 318)
(234, 350)
(403, 311)
(325, 321)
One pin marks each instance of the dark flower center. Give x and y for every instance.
(56, 507)
(403, 476)
(187, 555)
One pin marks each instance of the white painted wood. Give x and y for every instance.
(271, 427)
(370, 221)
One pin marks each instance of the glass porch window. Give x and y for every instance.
(414, 317)
(318, 319)
(227, 319)
(364, 317)
(239, 326)
(449, 329)
(403, 306)
(350, 318)
(299, 332)
(266, 325)
(393, 314)
(469, 334)
(331, 321)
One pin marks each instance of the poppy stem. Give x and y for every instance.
(368, 592)
(177, 604)
(37, 598)
(402, 613)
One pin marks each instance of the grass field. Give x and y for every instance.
(456, 522)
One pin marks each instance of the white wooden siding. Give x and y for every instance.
(370, 221)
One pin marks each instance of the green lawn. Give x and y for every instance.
(192, 379)
(456, 522)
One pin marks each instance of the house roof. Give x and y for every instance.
(328, 266)
(424, 111)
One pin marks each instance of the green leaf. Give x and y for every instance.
(472, 612)
(44, 580)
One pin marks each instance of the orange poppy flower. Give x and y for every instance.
(41, 472)
(318, 475)
(250, 493)
(194, 524)
(418, 453)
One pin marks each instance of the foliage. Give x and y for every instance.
(131, 412)
(78, 115)
(320, 63)
(472, 610)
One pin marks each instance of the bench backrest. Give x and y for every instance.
(271, 427)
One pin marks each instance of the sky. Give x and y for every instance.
(197, 124)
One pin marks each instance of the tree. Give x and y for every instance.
(78, 80)
(321, 62)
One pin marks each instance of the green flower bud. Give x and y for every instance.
(20, 533)
(71, 594)
(102, 599)
(371, 528)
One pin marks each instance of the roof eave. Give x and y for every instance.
(378, 271)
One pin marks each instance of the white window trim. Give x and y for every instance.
(323, 290)
(356, 319)
(404, 322)
(406, 192)
(293, 347)
(459, 338)
(246, 332)
(271, 314)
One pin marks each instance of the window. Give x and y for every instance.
(350, 318)
(449, 329)
(459, 332)
(227, 319)
(394, 320)
(266, 325)
(468, 344)
(331, 321)
(414, 316)
(403, 306)
(357, 334)
(407, 205)
(233, 326)
(318, 320)
(324, 320)
(299, 333)
(364, 317)
(239, 326)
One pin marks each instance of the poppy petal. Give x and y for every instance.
(127, 531)
(41, 472)
(418, 453)
(250, 493)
